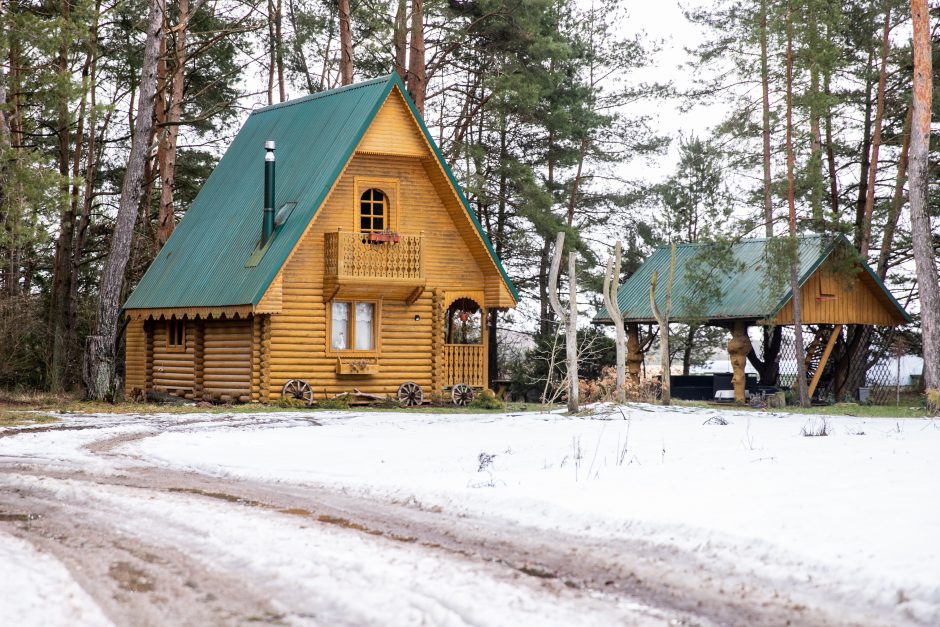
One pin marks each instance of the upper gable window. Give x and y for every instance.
(373, 211)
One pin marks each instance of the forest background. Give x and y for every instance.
(555, 116)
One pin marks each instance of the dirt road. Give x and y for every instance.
(157, 546)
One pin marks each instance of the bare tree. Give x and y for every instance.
(569, 319)
(100, 348)
(345, 43)
(920, 220)
(611, 286)
(662, 318)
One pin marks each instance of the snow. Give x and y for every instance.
(855, 512)
(38, 590)
(340, 577)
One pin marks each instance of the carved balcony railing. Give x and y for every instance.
(465, 363)
(394, 262)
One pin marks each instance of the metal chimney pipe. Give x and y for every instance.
(267, 225)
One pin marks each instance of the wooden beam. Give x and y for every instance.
(825, 358)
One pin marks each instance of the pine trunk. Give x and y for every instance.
(60, 305)
(921, 234)
(865, 242)
(400, 39)
(765, 123)
(173, 112)
(794, 261)
(345, 44)
(887, 239)
(100, 352)
(417, 72)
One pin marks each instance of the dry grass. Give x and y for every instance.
(12, 418)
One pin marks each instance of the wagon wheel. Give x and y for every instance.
(410, 394)
(461, 394)
(298, 389)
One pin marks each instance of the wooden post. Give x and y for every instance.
(634, 354)
(199, 356)
(738, 348)
(836, 332)
(485, 343)
(568, 319)
(611, 286)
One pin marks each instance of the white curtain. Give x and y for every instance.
(364, 328)
(340, 326)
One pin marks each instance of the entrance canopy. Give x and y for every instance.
(836, 286)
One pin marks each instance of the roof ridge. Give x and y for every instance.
(751, 240)
(323, 94)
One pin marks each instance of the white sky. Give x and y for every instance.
(663, 21)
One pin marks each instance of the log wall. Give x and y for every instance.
(228, 357)
(135, 365)
(173, 370)
(298, 346)
(829, 299)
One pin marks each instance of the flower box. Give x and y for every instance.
(384, 237)
(358, 367)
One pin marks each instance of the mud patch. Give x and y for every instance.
(534, 571)
(130, 578)
(16, 517)
(222, 496)
(345, 523)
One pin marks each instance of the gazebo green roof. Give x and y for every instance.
(744, 291)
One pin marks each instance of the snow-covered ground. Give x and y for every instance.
(37, 588)
(852, 518)
(861, 505)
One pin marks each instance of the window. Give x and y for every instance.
(373, 205)
(352, 326)
(176, 334)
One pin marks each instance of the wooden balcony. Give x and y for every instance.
(465, 363)
(364, 264)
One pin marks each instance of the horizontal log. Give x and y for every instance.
(232, 342)
(215, 372)
(227, 379)
(166, 370)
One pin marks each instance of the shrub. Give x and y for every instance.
(933, 401)
(820, 429)
(337, 402)
(604, 388)
(487, 399)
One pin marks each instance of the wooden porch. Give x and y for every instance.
(465, 363)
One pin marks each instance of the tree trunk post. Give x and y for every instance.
(569, 320)
(662, 318)
(611, 285)
(738, 348)
(634, 354)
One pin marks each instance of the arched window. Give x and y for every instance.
(373, 209)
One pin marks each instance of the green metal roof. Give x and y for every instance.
(204, 262)
(746, 292)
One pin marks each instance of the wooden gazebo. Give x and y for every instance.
(836, 287)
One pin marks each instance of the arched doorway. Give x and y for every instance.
(465, 343)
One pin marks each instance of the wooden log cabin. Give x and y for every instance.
(837, 288)
(356, 265)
